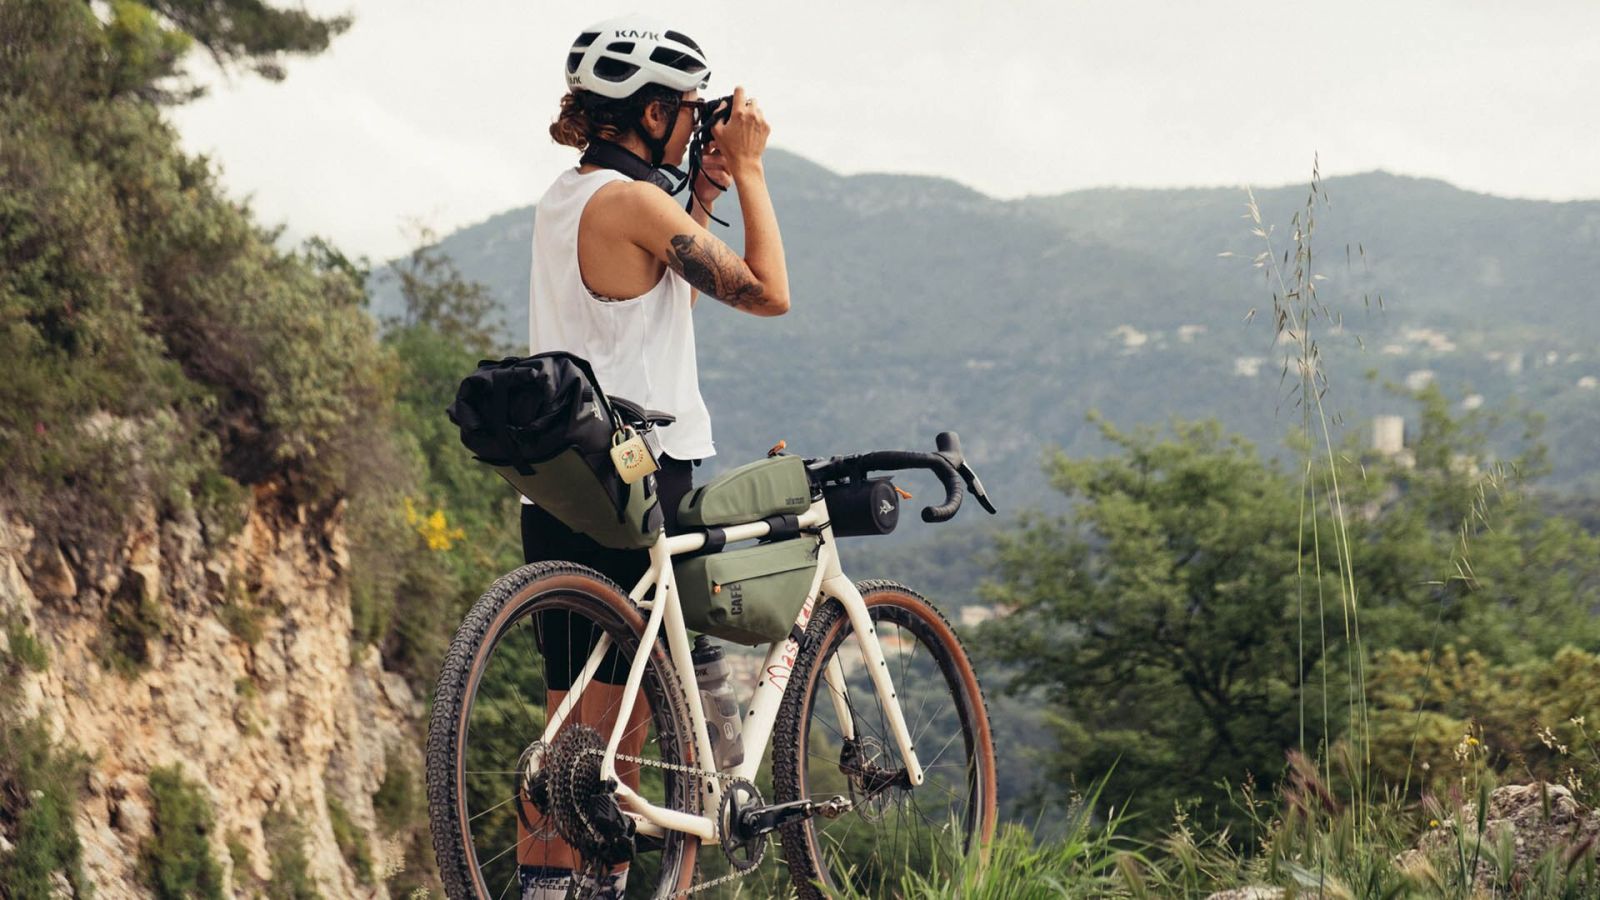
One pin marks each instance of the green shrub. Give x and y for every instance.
(38, 783)
(1525, 721)
(25, 649)
(158, 340)
(352, 843)
(398, 803)
(176, 861)
(240, 855)
(286, 853)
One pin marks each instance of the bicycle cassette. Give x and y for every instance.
(585, 807)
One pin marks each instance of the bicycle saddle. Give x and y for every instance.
(634, 414)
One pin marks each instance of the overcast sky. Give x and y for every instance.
(437, 111)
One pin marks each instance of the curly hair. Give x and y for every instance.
(586, 116)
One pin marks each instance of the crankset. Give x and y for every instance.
(745, 819)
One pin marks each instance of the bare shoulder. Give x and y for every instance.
(622, 199)
(632, 197)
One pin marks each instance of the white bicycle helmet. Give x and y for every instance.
(618, 56)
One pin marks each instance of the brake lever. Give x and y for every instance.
(949, 447)
(975, 487)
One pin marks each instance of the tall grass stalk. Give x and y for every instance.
(1297, 311)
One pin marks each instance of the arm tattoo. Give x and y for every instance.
(711, 268)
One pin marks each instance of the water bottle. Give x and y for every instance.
(711, 671)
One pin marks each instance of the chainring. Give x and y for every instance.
(743, 854)
(583, 806)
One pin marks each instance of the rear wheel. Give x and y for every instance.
(489, 714)
(932, 829)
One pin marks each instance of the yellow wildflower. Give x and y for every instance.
(434, 529)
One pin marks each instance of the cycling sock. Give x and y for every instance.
(550, 883)
(544, 882)
(609, 887)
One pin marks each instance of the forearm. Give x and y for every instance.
(763, 244)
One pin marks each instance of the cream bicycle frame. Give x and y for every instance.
(666, 612)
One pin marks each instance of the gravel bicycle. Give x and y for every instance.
(881, 756)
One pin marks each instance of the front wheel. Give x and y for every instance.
(932, 829)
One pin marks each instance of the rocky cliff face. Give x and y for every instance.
(229, 657)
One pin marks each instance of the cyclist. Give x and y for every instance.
(617, 266)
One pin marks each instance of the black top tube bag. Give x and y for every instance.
(545, 425)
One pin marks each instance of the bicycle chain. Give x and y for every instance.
(696, 773)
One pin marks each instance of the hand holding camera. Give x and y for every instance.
(737, 133)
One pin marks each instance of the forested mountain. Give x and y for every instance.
(921, 305)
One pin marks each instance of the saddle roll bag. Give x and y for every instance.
(545, 425)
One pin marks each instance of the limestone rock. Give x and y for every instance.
(131, 816)
(146, 580)
(276, 724)
(1538, 818)
(50, 575)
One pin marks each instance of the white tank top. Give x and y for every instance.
(642, 349)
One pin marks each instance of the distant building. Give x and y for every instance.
(973, 616)
(1388, 434)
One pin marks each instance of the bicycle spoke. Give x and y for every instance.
(509, 882)
(947, 742)
(493, 859)
(491, 809)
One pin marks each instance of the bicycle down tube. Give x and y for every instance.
(762, 712)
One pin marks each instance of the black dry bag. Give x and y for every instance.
(543, 423)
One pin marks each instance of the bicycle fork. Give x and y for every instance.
(877, 670)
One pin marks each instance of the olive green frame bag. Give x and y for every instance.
(749, 596)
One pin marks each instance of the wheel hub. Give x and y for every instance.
(873, 787)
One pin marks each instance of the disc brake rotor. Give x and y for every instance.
(874, 788)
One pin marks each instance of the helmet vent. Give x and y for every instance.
(613, 69)
(683, 62)
(620, 47)
(682, 38)
(587, 38)
(572, 62)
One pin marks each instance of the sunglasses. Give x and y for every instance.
(696, 106)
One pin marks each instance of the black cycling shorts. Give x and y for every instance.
(565, 645)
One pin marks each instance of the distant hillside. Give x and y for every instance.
(920, 304)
